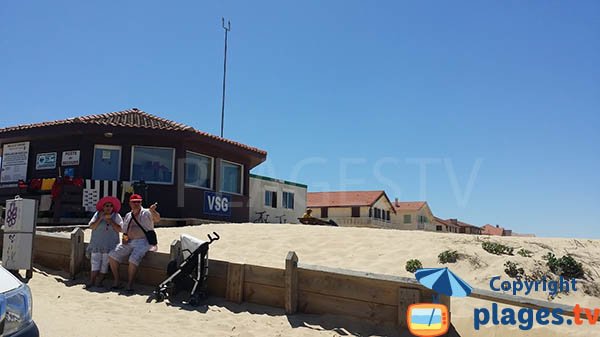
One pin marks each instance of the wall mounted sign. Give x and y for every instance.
(45, 161)
(70, 158)
(14, 162)
(217, 204)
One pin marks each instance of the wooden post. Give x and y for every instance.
(175, 251)
(77, 252)
(235, 283)
(291, 283)
(406, 297)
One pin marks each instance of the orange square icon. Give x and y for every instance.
(427, 319)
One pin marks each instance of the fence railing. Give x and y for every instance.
(297, 288)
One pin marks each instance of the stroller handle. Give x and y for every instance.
(213, 239)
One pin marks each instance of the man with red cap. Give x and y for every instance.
(134, 245)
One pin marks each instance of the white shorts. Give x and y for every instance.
(99, 262)
(134, 249)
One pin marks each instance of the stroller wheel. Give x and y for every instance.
(159, 296)
(194, 301)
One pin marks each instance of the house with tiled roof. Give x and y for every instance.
(353, 208)
(496, 230)
(466, 228)
(442, 225)
(413, 215)
(190, 173)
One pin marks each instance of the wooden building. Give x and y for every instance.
(190, 173)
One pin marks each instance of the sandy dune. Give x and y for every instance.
(64, 310)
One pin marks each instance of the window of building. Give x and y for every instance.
(198, 170)
(271, 199)
(324, 212)
(422, 219)
(231, 177)
(152, 164)
(107, 162)
(288, 200)
(407, 218)
(438, 228)
(388, 218)
(356, 212)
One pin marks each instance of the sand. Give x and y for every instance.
(65, 309)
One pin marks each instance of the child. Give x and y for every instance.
(106, 225)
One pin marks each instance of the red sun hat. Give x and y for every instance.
(135, 197)
(114, 201)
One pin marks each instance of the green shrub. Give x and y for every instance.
(413, 265)
(513, 270)
(448, 256)
(565, 266)
(497, 248)
(525, 253)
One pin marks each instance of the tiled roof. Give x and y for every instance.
(131, 118)
(444, 222)
(461, 224)
(493, 230)
(343, 199)
(409, 205)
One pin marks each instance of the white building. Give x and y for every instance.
(281, 201)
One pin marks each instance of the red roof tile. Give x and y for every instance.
(444, 222)
(131, 118)
(493, 230)
(343, 198)
(409, 205)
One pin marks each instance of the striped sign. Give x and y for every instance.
(96, 189)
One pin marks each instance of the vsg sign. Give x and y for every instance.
(217, 204)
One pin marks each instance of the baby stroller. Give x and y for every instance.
(192, 273)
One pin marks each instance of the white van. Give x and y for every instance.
(15, 307)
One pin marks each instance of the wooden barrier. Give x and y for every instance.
(297, 288)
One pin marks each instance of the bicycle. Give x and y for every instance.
(262, 218)
(281, 218)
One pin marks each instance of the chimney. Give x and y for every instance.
(454, 221)
(497, 226)
(396, 203)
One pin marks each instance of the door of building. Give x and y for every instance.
(107, 162)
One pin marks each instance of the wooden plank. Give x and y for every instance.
(264, 275)
(175, 251)
(156, 260)
(235, 283)
(52, 244)
(291, 283)
(348, 286)
(313, 303)
(406, 297)
(217, 286)
(52, 261)
(217, 268)
(77, 252)
(264, 294)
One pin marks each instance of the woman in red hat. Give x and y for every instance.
(106, 225)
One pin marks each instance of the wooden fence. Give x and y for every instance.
(297, 288)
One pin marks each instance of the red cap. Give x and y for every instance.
(135, 197)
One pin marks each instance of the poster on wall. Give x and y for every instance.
(70, 158)
(217, 204)
(14, 162)
(45, 161)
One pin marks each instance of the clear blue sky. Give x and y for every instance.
(502, 99)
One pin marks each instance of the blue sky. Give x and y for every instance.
(499, 102)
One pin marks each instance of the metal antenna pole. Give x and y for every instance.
(227, 29)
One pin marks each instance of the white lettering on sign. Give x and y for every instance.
(217, 203)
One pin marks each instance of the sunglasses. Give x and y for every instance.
(108, 205)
